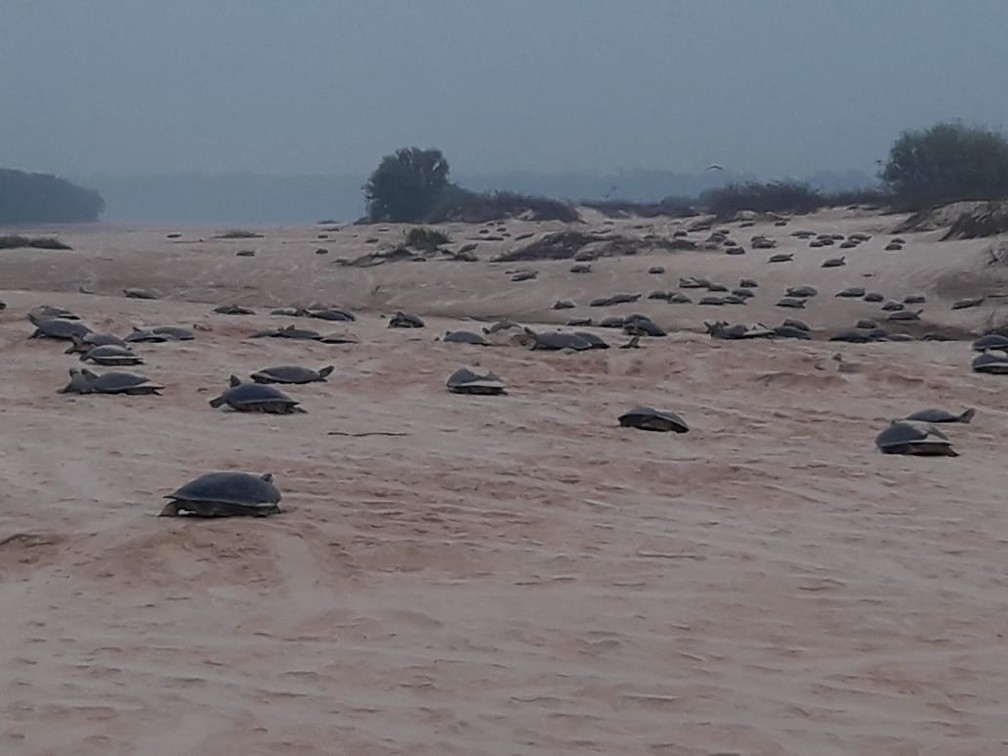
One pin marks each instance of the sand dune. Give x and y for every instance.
(513, 574)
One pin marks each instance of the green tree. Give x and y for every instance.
(945, 163)
(406, 186)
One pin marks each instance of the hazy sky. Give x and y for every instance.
(322, 86)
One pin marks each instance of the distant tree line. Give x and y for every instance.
(944, 163)
(43, 198)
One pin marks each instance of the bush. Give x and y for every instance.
(774, 197)
(946, 163)
(406, 186)
(462, 206)
(42, 198)
(427, 239)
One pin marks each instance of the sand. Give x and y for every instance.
(502, 575)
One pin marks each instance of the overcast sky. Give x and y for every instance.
(321, 86)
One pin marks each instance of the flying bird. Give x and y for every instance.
(715, 167)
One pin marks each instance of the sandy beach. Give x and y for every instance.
(504, 574)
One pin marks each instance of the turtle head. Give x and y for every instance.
(234, 380)
(268, 477)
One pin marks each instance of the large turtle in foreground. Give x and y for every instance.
(83, 381)
(256, 397)
(914, 438)
(225, 494)
(291, 374)
(651, 419)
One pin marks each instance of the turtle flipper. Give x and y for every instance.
(171, 509)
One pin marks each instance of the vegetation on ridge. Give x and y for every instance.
(43, 198)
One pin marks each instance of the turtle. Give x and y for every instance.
(651, 419)
(691, 282)
(475, 381)
(594, 342)
(342, 337)
(505, 324)
(962, 304)
(678, 298)
(711, 300)
(465, 337)
(225, 494)
(853, 336)
(736, 249)
(873, 296)
(732, 299)
(801, 325)
(893, 246)
(579, 322)
(45, 312)
(785, 331)
(255, 397)
(568, 304)
(110, 354)
(621, 297)
(748, 283)
(336, 314)
(641, 325)
(990, 362)
(796, 303)
(290, 312)
(524, 275)
(916, 438)
(404, 320)
(87, 342)
(833, 262)
(990, 341)
(851, 292)
(291, 374)
(83, 381)
(580, 268)
(132, 293)
(160, 334)
(781, 257)
(933, 415)
(59, 328)
(556, 340)
(613, 321)
(914, 299)
(904, 315)
(892, 306)
(233, 309)
(801, 291)
(743, 293)
(656, 294)
(716, 288)
(288, 332)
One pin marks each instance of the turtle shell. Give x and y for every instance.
(651, 419)
(291, 374)
(933, 415)
(465, 337)
(468, 381)
(221, 494)
(910, 437)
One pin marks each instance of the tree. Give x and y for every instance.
(407, 185)
(43, 198)
(945, 163)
